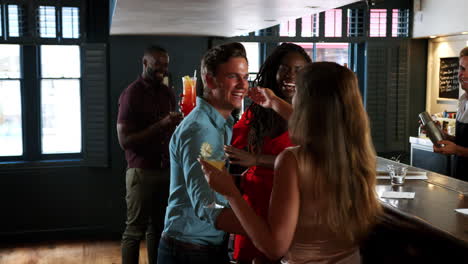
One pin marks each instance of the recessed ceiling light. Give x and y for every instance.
(241, 29)
(433, 36)
(270, 20)
(313, 7)
(465, 33)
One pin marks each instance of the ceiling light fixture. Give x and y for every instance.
(312, 7)
(465, 33)
(433, 36)
(270, 20)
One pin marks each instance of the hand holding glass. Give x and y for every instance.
(219, 163)
(176, 117)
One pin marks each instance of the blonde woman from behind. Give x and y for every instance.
(323, 201)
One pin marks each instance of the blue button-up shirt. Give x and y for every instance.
(187, 217)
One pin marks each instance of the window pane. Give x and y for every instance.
(292, 27)
(378, 22)
(400, 22)
(284, 29)
(70, 22)
(253, 55)
(13, 21)
(333, 23)
(9, 61)
(61, 116)
(355, 22)
(288, 28)
(1, 21)
(336, 52)
(306, 30)
(60, 61)
(315, 25)
(47, 22)
(11, 135)
(310, 25)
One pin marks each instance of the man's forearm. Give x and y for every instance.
(130, 139)
(461, 151)
(449, 137)
(149, 133)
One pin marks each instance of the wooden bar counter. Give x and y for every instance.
(426, 229)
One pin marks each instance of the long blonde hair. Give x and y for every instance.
(336, 158)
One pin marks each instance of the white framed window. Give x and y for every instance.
(378, 23)
(288, 28)
(70, 22)
(40, 85)
(60, 99)
(400, 22)
(336, 52)
(47, 25)
(13, 21)
(11, 133)
(333, 25)
(310, 25)
(1, 22)
(253, 56)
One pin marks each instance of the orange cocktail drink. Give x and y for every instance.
(189, 94)
(219, 164)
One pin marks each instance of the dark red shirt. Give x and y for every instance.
(141, 105)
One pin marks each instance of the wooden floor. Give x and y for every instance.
(69, 252)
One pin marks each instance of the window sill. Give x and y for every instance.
(57, 163)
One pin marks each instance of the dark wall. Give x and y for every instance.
(126, 59)
(97, 20)
(395, 88)
(417, 78)
(40, 201)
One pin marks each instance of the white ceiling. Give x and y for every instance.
(210, 17)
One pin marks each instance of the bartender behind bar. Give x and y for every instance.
(458, 144)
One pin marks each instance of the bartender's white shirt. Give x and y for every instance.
(462, 113)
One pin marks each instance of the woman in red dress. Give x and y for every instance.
(261, 134)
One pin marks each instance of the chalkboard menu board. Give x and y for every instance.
(448, 78)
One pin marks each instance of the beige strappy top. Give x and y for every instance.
(313, 242)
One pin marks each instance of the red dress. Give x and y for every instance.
(257, 182)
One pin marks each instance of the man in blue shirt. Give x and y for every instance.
(194, 229)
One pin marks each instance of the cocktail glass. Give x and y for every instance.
(189, 94)
(397, 174)
(219, 163)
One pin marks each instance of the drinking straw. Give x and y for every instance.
(194, 74)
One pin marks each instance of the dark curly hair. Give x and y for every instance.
(266, 121)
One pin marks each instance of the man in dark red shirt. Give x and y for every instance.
(145, 123)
